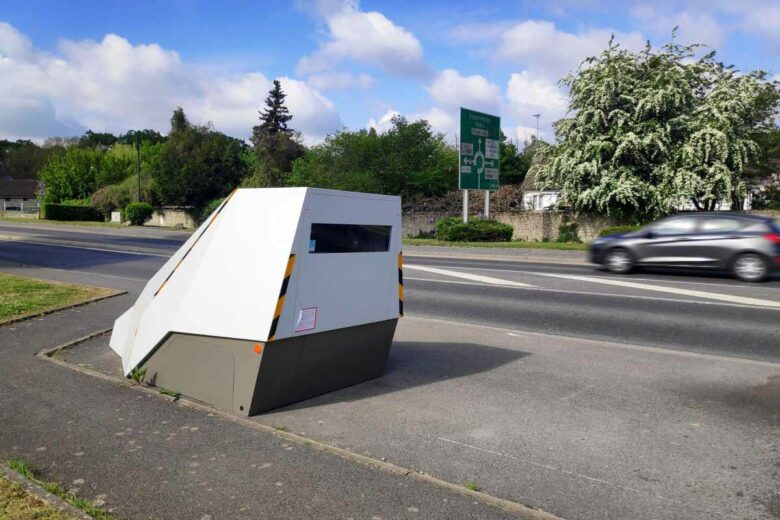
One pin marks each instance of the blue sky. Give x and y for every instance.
(112, 66)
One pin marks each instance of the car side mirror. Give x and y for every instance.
(649, 234)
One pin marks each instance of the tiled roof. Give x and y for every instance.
(18, 188)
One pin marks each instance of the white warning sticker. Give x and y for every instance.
(307, 319)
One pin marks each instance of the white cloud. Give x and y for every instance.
(530, 94)
(693, 27)
(542, 48)
(369, 38)
(441, 121)
(765, 20)
(340, 80)
(113, 86)
(523, 134)
(384, 123)
(453, 90)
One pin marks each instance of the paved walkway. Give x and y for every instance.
(143, 457)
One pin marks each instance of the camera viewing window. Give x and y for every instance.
(348, 238)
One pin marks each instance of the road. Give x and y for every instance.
(552, 384)
(699, 313)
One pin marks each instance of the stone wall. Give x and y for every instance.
(528, 225)
(171, 217)
(532, 225)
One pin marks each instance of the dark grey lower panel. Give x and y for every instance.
(298, 368)
(231, 375)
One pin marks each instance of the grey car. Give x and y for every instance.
(747, 246)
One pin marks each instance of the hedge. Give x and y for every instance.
(454, 230)
(53, 211)
(568, 233)
(138, 212)
(617, 230)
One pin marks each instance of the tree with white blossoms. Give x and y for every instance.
(649, 131)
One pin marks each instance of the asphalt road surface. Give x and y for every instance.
(694, 312)
(550, 383)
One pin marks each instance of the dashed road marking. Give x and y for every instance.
(468, 276)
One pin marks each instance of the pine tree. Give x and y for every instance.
(275, 145)
(275, 116)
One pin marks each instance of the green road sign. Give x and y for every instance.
(480, 135)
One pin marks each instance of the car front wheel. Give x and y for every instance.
(750, 267)
(619, 261)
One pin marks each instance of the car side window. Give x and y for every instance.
(720, 225)
(674, 226)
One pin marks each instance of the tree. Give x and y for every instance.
(71, 174)
(196, 164)
(102, 140)
(408, 160)
(515, 163)
(275, 116)
(143, 136)
(22, 159)
(275, 145)
(654, 129)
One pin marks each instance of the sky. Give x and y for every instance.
(109, 66)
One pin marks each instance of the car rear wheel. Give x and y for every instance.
(619, 261)
(750, 267)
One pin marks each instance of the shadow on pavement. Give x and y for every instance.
(413, 364)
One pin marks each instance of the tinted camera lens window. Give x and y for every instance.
(348, 238)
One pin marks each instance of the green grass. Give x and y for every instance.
(25, 470)
(18, 504)
(61, 222)
(171, 393)
(514, 244)
(20, 296)
(471, 486)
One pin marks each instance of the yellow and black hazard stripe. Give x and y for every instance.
(206, 228)
(282, 294)
(400, 284)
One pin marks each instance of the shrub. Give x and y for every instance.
(110, 198)
(568, 233)
(75, 202)
(615, 230)
(209, 208)
(138, 212)
(53, 211)
(454, 230)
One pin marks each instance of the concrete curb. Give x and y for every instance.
(38, 491)
(25, 317)
(525, 512)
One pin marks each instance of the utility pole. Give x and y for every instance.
(537, 116)
(137, 164)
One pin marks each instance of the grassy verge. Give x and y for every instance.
(55, 489)
(16, 503)
(21, 297)
(60, 222)
(515, 244)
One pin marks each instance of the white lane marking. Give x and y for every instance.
(587, 293)
(667, 279)
(598, 342)
(671, 290)
(576, 475)
(468, 276)
(53, 244)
